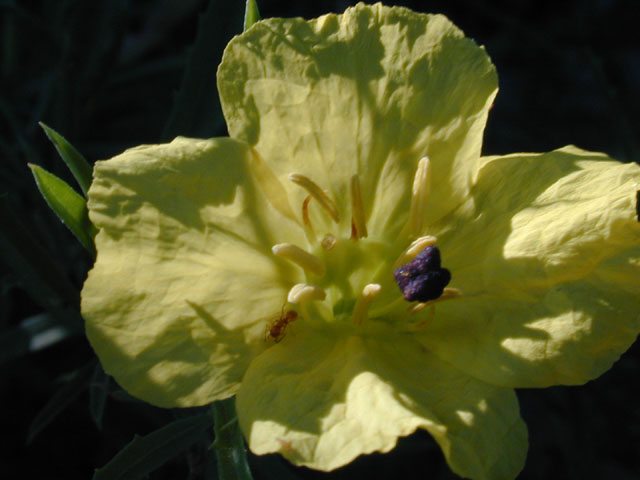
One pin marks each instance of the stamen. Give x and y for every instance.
(426, 322)
(419, 196)
(317, 193)
(447, 294)
(273, 190)
(308, 261)
(414, 249)
(358, 222)
(369, 292)
(302, 292)
(308, 228)
(423, 278)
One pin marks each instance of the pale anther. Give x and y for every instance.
(316, 192)
(358, 222)
(447, 294)
(369, 292)
(302, 292)
(414, 249)
(309, 262)
(419, 196)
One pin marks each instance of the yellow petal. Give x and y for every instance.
(185, 281)
(321, 401)
(548, 257)
(368, 92)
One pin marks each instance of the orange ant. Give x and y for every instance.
(276, 330)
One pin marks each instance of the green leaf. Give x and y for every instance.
(251, 14)
(32, 265)
(78, 165)
(70, 207)
(33, 334)
(145, 454)
(196, 111)
(76, 383)
(98, 392)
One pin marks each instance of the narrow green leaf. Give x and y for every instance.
(98, 392)
(76, 383)
(70, 207)
(32, 265)
(33, 334)
(196, 111)
(78, 165)
(251, 14)
(145, 454)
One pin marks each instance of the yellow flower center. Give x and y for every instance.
(337, 263)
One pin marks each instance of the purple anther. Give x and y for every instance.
(422, 279)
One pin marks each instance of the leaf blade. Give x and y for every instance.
(145, 454)
(98, 392)
(64, 397)
(251, 14)
(78, 165)
(69, 206)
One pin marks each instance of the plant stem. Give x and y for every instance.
(229, 443)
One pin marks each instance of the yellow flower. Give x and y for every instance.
(263, 264)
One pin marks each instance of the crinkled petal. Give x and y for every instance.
(185, 282)
(368, 92)
(548, 258)
(321, 401)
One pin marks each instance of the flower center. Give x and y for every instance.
(346, 273)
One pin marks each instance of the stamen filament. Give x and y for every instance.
(306, 260)
(414, 249)
(317, 193)
(419, 196)
(361, 308)
(358, 222)
(302, 292)
(447, 294)
(308, 228)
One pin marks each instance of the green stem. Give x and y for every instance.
(229, 443)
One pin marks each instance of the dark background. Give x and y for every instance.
(105, 74)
